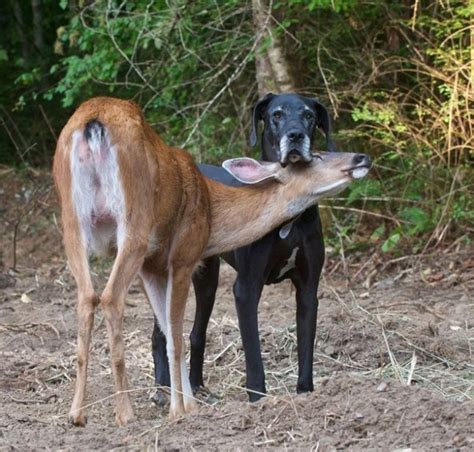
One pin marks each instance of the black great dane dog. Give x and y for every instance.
(295, 250)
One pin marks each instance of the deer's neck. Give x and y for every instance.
(239, 216)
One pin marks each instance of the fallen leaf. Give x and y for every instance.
(435, 277)
(25, 298)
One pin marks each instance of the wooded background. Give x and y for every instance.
(397, 77)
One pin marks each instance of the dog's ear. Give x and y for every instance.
(324, 122)
(257, 115)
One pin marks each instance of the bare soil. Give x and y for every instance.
(393, 368)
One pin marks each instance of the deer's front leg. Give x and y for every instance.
(182, 400)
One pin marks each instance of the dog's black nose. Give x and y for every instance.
(361, 160)
(295, 136)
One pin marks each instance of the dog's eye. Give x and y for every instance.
(277, 115)
(308, 116)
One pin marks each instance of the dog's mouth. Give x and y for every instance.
(291, 152)
(295, 155)
(359, 171)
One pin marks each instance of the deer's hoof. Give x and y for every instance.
(77, 418)
(176, 413)
(123, 419)
(190, 406)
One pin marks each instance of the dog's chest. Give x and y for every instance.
(290, 263)
(283, 261)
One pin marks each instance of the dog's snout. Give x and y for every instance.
(295, 136)
(361, 160)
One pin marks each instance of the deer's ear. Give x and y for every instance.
(249, 171)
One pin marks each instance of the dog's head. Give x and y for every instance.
(289, 124)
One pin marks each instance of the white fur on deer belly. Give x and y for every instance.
(290, 263)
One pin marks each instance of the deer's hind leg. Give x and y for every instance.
(127, 264)
(182, 399)
(167, 296)
(154, 285)
(87, 301)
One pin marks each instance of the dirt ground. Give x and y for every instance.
(393, 369)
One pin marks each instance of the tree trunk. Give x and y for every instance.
(20, 27)
(273, 74)
(37, 26)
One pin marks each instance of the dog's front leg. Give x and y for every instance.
(306, 281)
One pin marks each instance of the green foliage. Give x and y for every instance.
(417, 220)
(363, 189)
(391, 242)
(313, 5)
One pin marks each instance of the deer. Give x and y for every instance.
(124, 192)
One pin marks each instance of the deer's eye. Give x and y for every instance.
(277, 115)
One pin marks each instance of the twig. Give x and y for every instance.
(412, 368)
(374, 214)
(413, 19)
(393, 360)
(29, 401)
(110, 34)
(26, 326)
(48, 123)
(331, 95)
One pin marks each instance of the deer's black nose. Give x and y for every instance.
(361, 160)
(295, 136)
